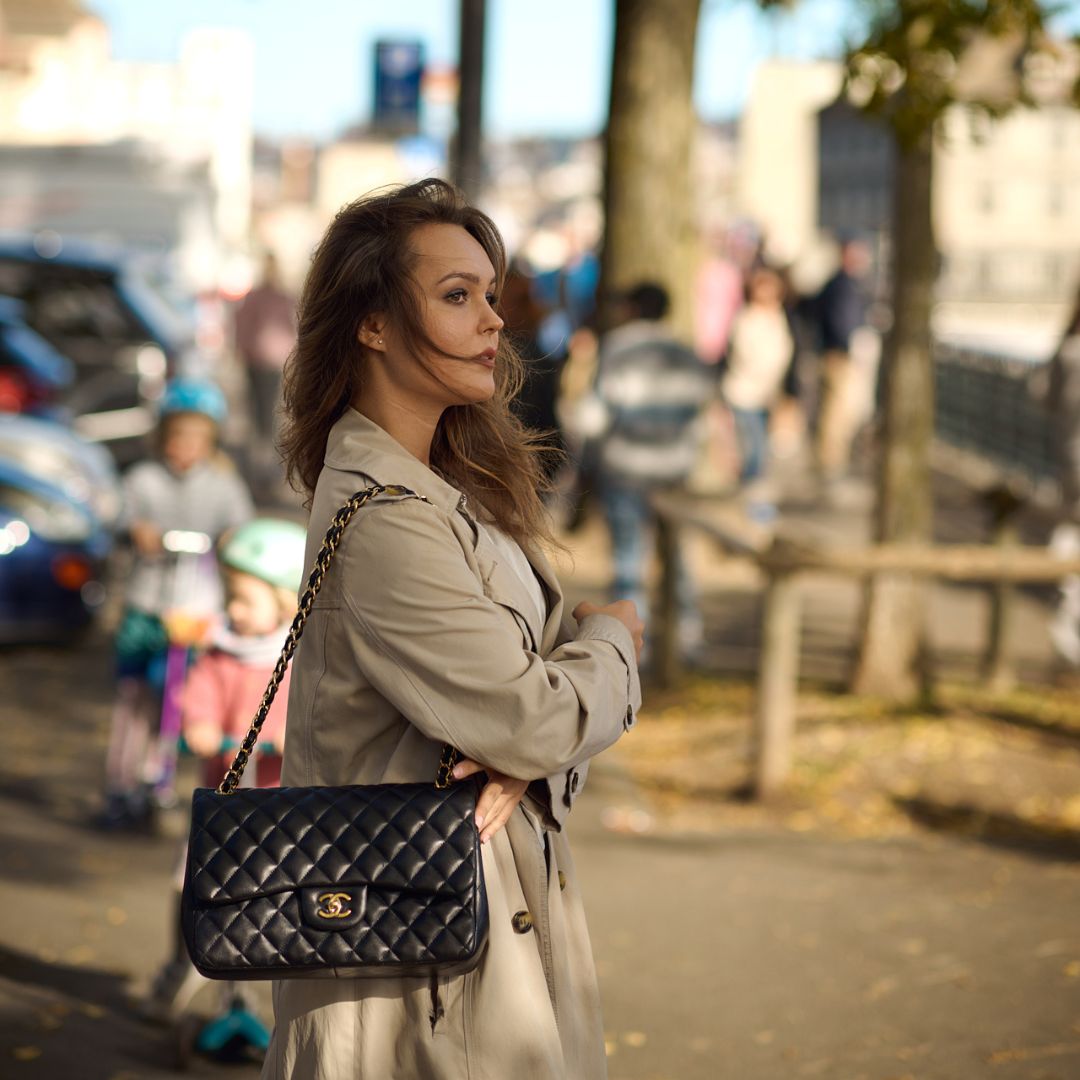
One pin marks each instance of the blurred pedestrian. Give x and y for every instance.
(757, 370)
(188, 487)
(650, 394)
(536, 401)
(719, 293)
(442, 622)
(262, 562)
(840, 310)
(1063, 402)
(265, 333)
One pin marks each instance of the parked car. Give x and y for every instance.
(59, 504)
(83, 470)
(33, 375)
(96, 308)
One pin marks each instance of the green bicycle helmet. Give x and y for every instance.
(269, 549)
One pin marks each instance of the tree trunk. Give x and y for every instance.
(648, 192)
(893, 610)
(467, 151)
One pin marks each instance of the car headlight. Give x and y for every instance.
(52, 519)
(58, 466)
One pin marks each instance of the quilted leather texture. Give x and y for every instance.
(384, 879)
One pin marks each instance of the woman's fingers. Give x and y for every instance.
(499, 797)
(466, 767)
(485, 805)
(497, 802)
(498, 816)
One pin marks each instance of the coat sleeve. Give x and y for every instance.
(432, 643)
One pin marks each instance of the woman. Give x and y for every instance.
(443, 623)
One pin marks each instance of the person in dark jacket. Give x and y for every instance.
(840, 309)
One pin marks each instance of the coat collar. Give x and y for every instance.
(357, 444)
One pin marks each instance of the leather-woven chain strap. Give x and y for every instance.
(449, 757)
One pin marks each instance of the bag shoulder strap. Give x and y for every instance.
(449, 757)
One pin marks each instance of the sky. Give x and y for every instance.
(547, 62)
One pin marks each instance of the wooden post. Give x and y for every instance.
(668, 658)
(999, 670)
(777, 685)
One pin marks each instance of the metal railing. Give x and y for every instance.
(986, 408)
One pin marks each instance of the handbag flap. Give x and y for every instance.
(390, 838)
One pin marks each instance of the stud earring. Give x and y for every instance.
(380, 341)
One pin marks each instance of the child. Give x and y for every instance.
(262, 564)
(189, 487)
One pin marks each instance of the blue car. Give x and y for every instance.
(59, 504)
(97, 310)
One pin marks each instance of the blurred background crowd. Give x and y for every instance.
(156, 217)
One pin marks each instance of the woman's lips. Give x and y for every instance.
(487, 358)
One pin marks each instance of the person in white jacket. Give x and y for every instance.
(759, 356)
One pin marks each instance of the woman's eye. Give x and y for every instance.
(457, 296)
(492, 299)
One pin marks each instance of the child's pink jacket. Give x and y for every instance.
(225, 692)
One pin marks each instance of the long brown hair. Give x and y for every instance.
(363, 266)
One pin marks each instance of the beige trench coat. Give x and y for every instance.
(421, 636)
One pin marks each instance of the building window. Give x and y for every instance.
(1055, 202)
(986, 198)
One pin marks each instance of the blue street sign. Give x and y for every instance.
(399, 66)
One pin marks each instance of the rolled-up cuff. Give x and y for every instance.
(608, 628)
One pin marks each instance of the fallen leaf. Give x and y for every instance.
(881, 988)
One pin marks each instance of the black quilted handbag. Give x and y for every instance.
(353, 882)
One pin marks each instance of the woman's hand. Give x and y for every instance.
(497, 801)
(623, 610)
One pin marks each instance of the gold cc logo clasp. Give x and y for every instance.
(334, 905)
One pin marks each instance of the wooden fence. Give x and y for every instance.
(784, 560)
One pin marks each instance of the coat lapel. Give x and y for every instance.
(546, 572)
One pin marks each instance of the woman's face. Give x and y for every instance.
(456, 283)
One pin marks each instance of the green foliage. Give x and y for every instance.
(911, 68)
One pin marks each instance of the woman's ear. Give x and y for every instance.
(370, 333)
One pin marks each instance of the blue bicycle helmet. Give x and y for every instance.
(186, 395)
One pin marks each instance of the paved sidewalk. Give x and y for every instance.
(741, 954)
(747, 955)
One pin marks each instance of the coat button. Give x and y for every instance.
(562, 880)
(521, 922)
